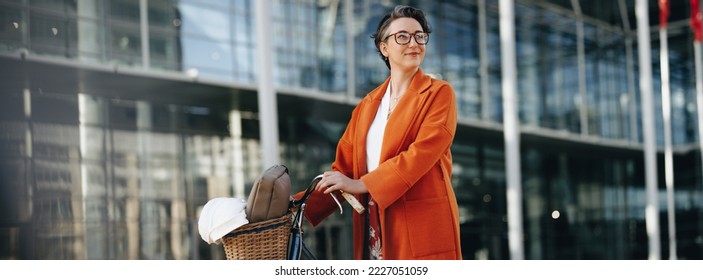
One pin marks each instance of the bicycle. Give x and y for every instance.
(296, 247)
(282, 237)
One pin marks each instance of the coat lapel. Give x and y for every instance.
(404, 115)
(400, 122)
(366, 117)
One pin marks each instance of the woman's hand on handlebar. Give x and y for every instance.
(334, 180)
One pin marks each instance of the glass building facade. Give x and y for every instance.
(120, 119)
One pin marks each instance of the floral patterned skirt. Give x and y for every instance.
(374, 242)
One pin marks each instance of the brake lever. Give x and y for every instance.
(341, 210)
(350, 199)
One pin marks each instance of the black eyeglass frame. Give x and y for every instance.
(414, 36)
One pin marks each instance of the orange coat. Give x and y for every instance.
(412, 184)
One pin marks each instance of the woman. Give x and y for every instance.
(395, 155)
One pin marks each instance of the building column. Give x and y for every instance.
(483, 61)
(144, 31)
(648, 125)
(87, 31)
(235, 132)
(511, 129)
(581, 52)
(268, 116)
(630, 72)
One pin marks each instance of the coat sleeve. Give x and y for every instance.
(394, 177)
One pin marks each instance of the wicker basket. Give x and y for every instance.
(265, 240)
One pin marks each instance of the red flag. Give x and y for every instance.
(663, 13)
(696, 21)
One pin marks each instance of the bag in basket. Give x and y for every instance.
(270, 196)
(267, 234)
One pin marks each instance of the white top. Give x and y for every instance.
(374, 139)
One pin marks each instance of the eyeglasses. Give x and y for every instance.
(403, 38)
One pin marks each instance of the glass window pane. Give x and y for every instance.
(207, 55)
(53, 35)
(205, 23)
(125, 45)
(11, 28)
(124, 11)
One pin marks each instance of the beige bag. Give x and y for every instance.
(270, 196)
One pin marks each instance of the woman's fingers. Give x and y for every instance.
(330, 182)
(336, 181)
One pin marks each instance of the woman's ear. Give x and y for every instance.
(384, 49)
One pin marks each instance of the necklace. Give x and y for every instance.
(392, 105)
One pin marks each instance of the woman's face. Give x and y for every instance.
(408, 56)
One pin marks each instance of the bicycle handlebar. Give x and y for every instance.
(347, 196)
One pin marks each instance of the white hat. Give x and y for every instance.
(220, 216)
